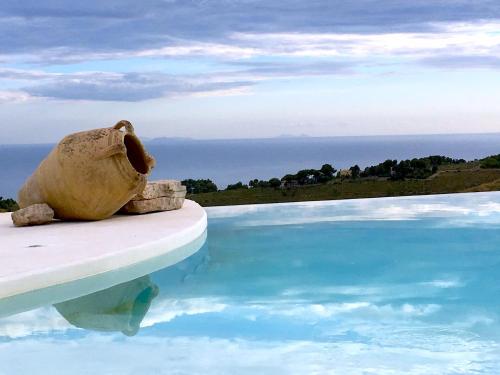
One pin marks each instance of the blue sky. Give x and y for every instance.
(249, 68)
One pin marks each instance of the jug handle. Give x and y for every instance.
(129, 128)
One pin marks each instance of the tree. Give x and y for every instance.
(491, 162)
(275, 182)
(328, 170)
(253, 183)
(355, 171)
(289, 177)
(199, 186)
(307, 176)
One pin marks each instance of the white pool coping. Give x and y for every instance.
(33, 258)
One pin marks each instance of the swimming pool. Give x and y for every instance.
(370, 286)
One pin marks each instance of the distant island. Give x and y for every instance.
(419, 176)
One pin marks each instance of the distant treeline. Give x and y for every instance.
(491, 162)
(414, 168)
(417, 168)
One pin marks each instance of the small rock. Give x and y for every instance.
(35, 214)
(153, 205)
(161, 188)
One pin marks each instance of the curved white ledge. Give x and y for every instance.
(38, 257)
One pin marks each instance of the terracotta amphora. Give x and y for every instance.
(90, 175)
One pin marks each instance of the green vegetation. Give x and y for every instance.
(236, 186)
(273, 182)
(8, 204)
(452, 181)
(491, 162)
(430, 175)
(310, 176)
(414, 168)
(199, 186)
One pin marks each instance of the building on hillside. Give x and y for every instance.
(344, 173)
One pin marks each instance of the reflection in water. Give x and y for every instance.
(119, 308)
(62, 292)
(355, 296)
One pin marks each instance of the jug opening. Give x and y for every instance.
(136, 154)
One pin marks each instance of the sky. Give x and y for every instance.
(249, 68)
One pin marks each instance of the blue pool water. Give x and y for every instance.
(374, 286)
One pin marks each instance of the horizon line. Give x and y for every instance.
(278, 137)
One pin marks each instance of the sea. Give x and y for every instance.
(231, 160)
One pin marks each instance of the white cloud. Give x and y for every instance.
(111, 86)
(13, 96)
(466, 38)
(476, 38)
(190, 48)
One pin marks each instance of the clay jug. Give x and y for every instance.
(90, 175)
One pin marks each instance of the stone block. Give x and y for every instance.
(153, 205)
(162, 188)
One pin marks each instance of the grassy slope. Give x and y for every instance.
(451, 179)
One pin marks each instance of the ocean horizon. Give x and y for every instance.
(227, 161)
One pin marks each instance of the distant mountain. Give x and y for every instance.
(293, 136)
(165, 140)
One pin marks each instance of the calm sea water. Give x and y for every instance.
(229, 161)
(372, 286)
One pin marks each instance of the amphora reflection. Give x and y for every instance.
(120, 308)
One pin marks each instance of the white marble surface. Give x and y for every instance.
(37, 257)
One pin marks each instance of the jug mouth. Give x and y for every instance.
(136, 154)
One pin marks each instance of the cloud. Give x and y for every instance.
(108, 86)
(9, 73)
(223, 28)
(13, 96)
(241, 43)
(479, 37)
(461, 39)
(263, 69)
(135, 86)
(462, 61)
